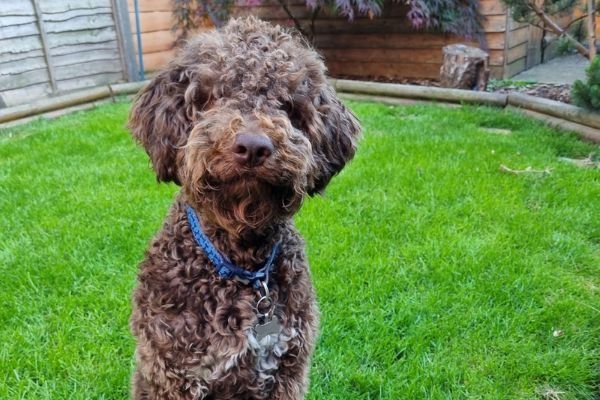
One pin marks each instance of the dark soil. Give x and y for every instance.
(560, 93)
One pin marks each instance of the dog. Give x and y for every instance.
(245, 121)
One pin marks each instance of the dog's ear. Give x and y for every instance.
(336, 146)
(161, 119)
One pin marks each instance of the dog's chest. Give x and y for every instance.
(268, 341)
(252, 350)
(252, 363)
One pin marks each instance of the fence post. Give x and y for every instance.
(49, 65)
(128, 63)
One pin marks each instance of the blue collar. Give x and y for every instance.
(225, 269)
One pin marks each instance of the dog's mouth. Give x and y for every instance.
(251, 188)
(246, 202)
(262, 177)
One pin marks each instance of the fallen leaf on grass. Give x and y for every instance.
(558, 333)
(549, 393)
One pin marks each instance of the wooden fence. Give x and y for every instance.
(387, 47)
(55, 46)
(158, 41)
(384, 47)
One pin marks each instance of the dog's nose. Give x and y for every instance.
(252, 150)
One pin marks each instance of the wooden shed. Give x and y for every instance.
(385, 47)
(49, 47)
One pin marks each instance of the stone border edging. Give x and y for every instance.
(585, 123)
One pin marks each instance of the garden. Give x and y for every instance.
(456, 257)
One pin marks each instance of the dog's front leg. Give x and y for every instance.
(155, 380)
(169, 389)
(291, 383)
(291, 379)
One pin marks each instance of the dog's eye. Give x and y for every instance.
(293, 114)
(286, 107)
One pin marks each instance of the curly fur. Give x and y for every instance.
(194, 330)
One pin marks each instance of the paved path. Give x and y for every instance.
(560, 70)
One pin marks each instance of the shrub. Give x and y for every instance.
(587, 94)
(459, 17)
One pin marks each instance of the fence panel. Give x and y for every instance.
(48, 47)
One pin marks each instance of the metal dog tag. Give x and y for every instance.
(270, 327)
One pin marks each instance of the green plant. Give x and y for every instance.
(564, 46)
(587, 94)
(578, 31)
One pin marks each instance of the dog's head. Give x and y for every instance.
(246, 122)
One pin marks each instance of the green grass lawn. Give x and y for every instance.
(439, 275)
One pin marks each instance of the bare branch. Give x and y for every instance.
(554, 27)
(591, 19)
(297, 24)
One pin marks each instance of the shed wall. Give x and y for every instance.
(158, 40)
(387, 47)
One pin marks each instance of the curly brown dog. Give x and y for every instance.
(245, 121)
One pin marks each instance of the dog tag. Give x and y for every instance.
(270, 327)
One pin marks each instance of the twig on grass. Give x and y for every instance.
(527, 170)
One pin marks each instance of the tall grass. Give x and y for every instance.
(439, 275)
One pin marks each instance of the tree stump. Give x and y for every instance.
(464, 67)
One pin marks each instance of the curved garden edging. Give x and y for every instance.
(585, 123)
(413, 92)
(68, 100)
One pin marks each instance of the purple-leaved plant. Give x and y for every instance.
(459, 17)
